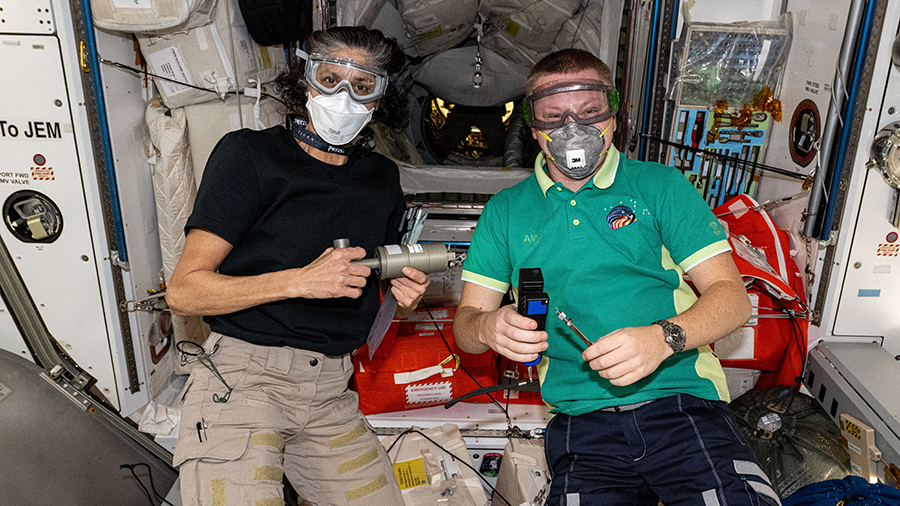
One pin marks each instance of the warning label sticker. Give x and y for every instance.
(429, 393)
(888, 250)
(42, 174)
(411, 473)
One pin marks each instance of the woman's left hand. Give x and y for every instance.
(409, 290)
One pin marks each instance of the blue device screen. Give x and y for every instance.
(537, 307)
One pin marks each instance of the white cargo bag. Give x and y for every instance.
(174, 189)
(523, 478)
(429, 475)
(437, 25)
(582, 31)
(152, 15)
(532, 23)
(220, 57)
(210, 121)
(358, 12)
(503, 44)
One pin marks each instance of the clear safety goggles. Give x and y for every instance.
(331, 75)
(585, 101)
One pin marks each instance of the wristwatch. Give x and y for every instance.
(674, 334)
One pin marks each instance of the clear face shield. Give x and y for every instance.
(328, 76)
(587, 102)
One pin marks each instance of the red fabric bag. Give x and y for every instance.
(414, 368)
(761, 252)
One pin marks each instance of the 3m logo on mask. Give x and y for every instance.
(575, 158)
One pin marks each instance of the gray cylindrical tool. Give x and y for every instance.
(389, 261)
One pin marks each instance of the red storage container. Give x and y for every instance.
(416, 367)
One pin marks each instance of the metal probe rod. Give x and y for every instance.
(568, 322)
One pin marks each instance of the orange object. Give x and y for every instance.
(779, 345)
(414, 368)
(765, 101)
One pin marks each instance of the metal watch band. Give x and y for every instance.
(675, 337)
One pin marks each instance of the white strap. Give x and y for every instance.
(258, 125)
(404, 378)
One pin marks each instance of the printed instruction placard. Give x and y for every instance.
(411, 473)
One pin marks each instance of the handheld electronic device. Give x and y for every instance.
(533, 302)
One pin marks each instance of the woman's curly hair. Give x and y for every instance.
(385, 53)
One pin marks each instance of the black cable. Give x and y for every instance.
(507, 365)
(796, 331)
(131, 467)
(487, 390)
(477, 473)
(141, 71)
(721, 157)
(438, 327)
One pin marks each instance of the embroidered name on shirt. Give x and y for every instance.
(532, 237)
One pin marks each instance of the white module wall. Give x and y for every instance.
(864, 290)
(51, 201)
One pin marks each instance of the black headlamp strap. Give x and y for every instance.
(362, 147)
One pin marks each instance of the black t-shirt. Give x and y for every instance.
(281, 208)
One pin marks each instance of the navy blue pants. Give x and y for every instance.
(680, 449)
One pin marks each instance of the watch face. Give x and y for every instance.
(675, 337)
(676, 340)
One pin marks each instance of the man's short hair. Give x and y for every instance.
(567, 61)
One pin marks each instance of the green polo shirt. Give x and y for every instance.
(613, 255)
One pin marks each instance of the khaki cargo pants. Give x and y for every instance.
(290, 412)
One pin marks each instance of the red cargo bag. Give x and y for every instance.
(415, 367)
(774, 340)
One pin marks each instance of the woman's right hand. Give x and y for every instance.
(332, 275)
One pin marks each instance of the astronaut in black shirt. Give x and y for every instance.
(285, 308)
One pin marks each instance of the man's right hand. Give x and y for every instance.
(514, 336)
(331, 275)
(503, 330)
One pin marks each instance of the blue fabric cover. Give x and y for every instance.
(852, 490)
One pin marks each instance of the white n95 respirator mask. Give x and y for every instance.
(576, 149)
(337, 118)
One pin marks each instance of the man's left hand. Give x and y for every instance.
(628, 355)
(409, 289)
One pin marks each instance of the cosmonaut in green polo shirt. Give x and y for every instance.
(613, 238)
(639, 410)
(612, 255)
